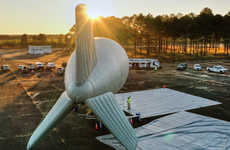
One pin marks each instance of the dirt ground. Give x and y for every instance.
(26, 98)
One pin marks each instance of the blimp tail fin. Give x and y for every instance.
(62, 107)
(110, 113)
(86, 58)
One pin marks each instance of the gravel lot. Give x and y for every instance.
(26, 98)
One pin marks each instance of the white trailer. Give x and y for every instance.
(40, 50)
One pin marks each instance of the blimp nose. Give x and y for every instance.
(79, 93)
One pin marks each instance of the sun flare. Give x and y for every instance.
(95, 11)
(93, 14)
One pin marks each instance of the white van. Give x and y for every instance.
(5, 67)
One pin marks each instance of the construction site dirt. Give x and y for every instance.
(27, 97)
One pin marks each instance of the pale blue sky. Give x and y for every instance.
(57, 16)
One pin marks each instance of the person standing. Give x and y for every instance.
(129, 102)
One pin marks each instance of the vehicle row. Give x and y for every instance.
(38, 66)
(198, 67)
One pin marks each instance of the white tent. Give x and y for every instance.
(39, 50)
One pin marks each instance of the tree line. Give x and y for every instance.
(190, 34)
(205, 25)
(22, 41)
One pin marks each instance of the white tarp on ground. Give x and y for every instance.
(39, 50)
(161, 101)
(180, 131)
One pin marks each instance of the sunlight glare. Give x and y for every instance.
(95, 11)
(93, 14)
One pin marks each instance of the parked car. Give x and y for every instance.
(197, 67)
(39, 65)
(31, 67)
(60, 70)
(50, 65)
(22, 68)
(182, 66)
(217, 68)
(5, 67)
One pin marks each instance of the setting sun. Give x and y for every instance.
(93, 14)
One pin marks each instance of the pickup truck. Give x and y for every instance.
(216, 68)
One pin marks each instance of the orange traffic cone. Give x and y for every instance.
(131, 121)
(96, 127)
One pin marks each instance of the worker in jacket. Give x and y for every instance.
(129, 102)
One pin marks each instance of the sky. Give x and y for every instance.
(57, 16)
